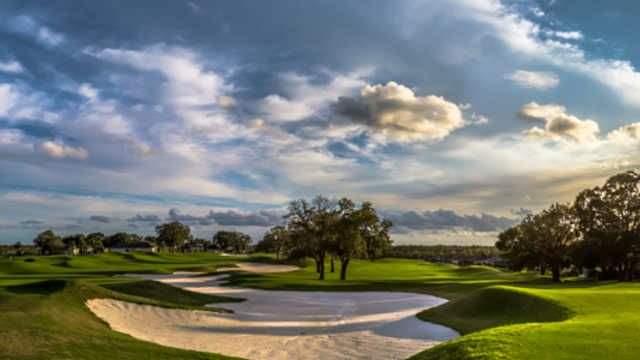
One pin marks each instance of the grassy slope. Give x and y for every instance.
(604, 323)
(495, 306)
(43, 316)
(448, 281)
(505, 315)
(523, 317)
(48, 320)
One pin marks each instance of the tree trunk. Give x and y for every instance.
(555, 273)
(543, 269)
(333, 265)
(317, 265)
(321, 258)
(344, 263)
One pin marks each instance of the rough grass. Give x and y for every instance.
(158, 290)
(48, 320)
(503, 315)
(43, 313)
(603, 323)
(495, 306)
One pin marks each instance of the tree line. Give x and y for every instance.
(172, 236)
(328, 231)
(599, 232)
(455, 254)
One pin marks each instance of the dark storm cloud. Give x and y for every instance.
(144, 218)
(521, 212)
(101, 219)
(176, 215)
(263, 218)
(447, 220)
(233, 218)
(31, 222)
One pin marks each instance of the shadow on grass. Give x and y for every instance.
(46, 287)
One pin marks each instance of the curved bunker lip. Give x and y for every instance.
(273, 324)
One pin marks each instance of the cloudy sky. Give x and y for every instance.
(454, 117)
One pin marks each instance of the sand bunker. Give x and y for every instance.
(283, 324)
(260, 268)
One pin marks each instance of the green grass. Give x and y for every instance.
(496, 306)
(48, 320)
(43, 313)
(158, 290)
(503, 315)
(603, 323)
(448, 281)
(112, 263)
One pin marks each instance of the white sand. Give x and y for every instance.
(283, 324)
(260, 268)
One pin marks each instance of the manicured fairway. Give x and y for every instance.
(525, 317)
(504, 315)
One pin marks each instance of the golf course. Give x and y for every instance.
(500, 314)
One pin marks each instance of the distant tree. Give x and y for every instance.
(609, 221)
(121, 239)
(49, 243)
(460, 254)
(311, 227)
(544, 239)
(557, 231)
(173, 234)
(75, 241)
(151, 239)
(276, 241)
(375, 232)
(519, 245)
(231, 241)
(17, 248)
(349, 231)
(95, 242)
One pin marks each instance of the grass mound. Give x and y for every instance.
(56, 324)
(495, 306)
(41, 288)
(154, 289)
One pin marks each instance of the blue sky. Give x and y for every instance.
(454, 117)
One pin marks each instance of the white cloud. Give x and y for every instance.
(11, 67)
(281, 109)
(478, 119)
(59, 150)
(301, 98)
(193, 6)
(198, 96)
(18, 101)
(49, 36)
(558, 125)
(626, 133)
(565, 35)
(27, 25)
(539, 80)
(524, 36)
(88, 91)
(395, 112)
(226, 102)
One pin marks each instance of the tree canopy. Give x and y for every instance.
(173, 235)
(600, 230)
(233, 242)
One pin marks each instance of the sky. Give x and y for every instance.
(454, 117)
